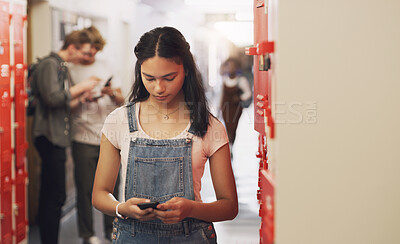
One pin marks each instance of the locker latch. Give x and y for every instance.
(260, 4)
(16, 209)
(264, 62)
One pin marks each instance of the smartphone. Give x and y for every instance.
(148, 205)
(108, 81)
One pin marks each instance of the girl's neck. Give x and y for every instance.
(175, 103)
(174, 110)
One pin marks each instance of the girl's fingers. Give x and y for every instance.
(165, 214)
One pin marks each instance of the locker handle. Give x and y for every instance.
(16, 209)
(262, 105)
(20, 66)
(265, 47)
(251, 51)
(261, 48)
(260, 97)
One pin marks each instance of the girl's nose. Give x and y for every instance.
(159, 87)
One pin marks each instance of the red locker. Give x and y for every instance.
(6, 208)
(262, 82)
(20, 126)
(18, 19)
(4, 43)
(20, 91)
(5, 127)
(4, 33)
(267, 208)
(21, 221)
(20, 96)
(263, 118)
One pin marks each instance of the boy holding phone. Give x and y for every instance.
(87, 122)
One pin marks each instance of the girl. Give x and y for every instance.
(163, 139)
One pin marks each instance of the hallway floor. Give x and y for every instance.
(244, 229)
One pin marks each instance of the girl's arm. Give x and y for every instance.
(104, 182)
(226, 206)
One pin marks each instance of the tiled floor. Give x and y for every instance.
(243, 229)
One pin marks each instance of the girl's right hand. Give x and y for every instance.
(131, 210)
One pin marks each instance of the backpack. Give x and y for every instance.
(31, 88)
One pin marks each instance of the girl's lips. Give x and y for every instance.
(161, 97)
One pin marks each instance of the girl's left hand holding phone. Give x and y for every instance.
(130, 209)
(174, 210)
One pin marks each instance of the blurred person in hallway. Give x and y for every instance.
(236, 94)
(87, 120)
(56, 96)
(162, 140)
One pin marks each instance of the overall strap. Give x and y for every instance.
(191, 129)
(131, 109)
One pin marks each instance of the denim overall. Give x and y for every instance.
(160, 170)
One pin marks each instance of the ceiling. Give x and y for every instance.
(213, 10)
(233, 18)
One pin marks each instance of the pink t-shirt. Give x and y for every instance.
(116, 129)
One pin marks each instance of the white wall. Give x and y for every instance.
(113, 20)
(40, 29)
(338, 178)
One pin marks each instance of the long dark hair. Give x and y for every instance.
(168, 42)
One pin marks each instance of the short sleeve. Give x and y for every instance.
(215, 138)
(114, 126)
(245, 87)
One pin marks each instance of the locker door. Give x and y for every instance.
(267, 208)
(5, 127)
(20, 91)
(263, 119)
(260, 77)
(262, 81)
(20, 217)
(6, 208)
(4, 42)
(20, 205)
(5, 96)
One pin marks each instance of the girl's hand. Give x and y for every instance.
(174, 210)
(130, 209)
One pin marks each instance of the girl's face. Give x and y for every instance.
(163, 79)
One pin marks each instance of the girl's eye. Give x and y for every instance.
(167, 79)
(170, 78)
